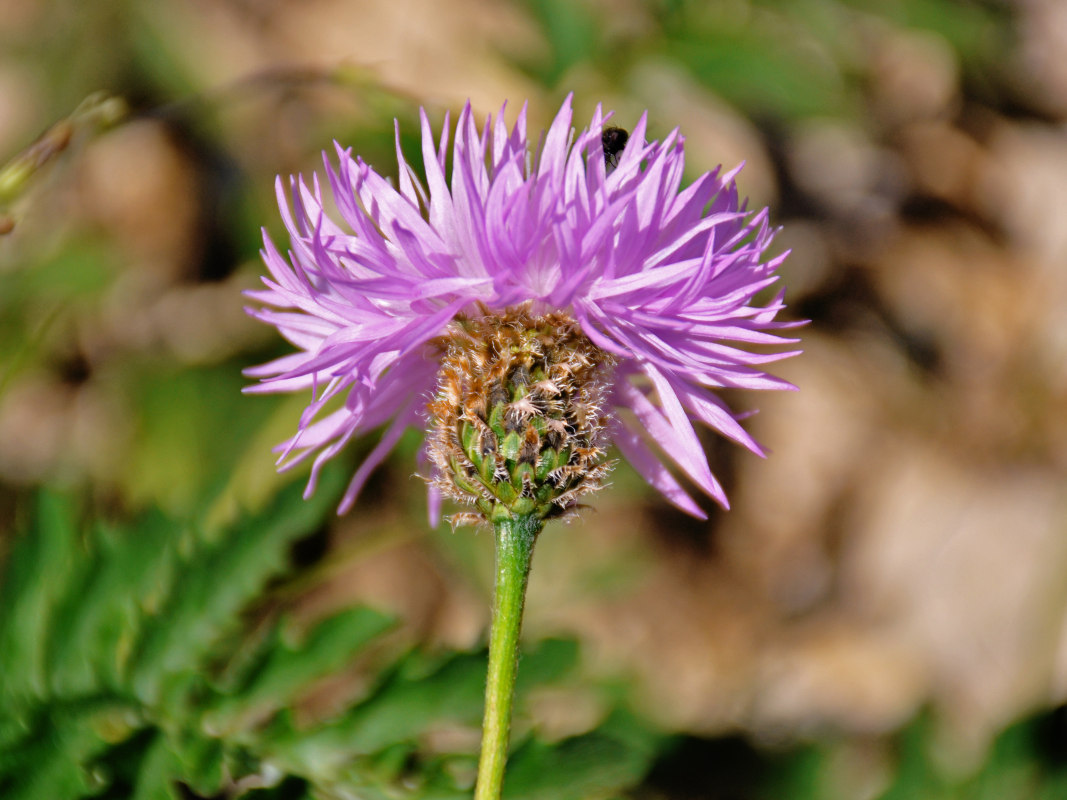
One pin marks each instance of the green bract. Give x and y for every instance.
(517, 421)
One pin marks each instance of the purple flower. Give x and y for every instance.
(665, 279)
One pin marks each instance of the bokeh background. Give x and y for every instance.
(880, 615)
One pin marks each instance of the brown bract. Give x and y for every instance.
(517, 423)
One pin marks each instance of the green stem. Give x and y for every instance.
(515, 539)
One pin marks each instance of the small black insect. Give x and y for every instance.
(614, 141)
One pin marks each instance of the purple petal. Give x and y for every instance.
(670, 280)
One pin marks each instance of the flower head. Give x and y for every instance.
(517, 422)
(663, 282)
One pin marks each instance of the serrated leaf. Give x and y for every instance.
(213, 584)
(86, 640)
(399, 711)
(415, 699)
(599, 764)
(201, 760)
(583, 768)
(51, 763)
(161, 599)
(289, 669)
(546, 662)
(155, 778)
(38, 570)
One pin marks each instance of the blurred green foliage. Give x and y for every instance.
(775, 60)
(143, 658)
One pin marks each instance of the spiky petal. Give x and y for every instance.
(667, 280)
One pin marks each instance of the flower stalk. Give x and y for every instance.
(517, 435)
(515, 538)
